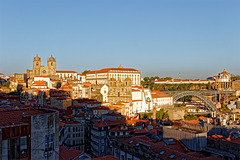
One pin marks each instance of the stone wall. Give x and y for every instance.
(195, 141)
(41, 126)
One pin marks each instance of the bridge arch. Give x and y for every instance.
(209, 104)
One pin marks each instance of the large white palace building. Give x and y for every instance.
(102, 76)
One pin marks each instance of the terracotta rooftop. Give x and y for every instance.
(107, 157)
(105, 70)
(10, 117)
(192, 122)
(109, 123)
(66, 72)
(158, 94)
(164, 150)
(65, 154)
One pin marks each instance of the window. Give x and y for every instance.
(49, 143)
(172, 156)
(23, 147)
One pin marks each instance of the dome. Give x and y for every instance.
(51, 58)
(36, 58)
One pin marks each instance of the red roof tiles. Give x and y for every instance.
(65, 154)
(158, 94)
(107, 157)
(105, 70)
(66, 72)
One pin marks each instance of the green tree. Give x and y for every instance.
(165, 115)
(85, 72)
(6, 84)
(159, 114)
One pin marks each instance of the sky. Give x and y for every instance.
(196, 38)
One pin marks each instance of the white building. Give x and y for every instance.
(67, 74)
(102, 76)
(41, 82)
(180, 81)
(81, 77)
(141, 99)
(160, 99)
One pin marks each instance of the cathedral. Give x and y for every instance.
(39, 70)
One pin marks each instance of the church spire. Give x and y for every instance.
(120, 66)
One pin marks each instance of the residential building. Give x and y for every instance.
(141, 99)
(29, 134)
(99, 133)
(67, 75)
(181, 81)
(143, 147)
(60, 101)
(194, 139)
(160, 99)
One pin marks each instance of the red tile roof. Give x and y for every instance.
(178, 149)
(40, 83)
(66, 72)
(42, 76)
(158, 94)
(107, 157)
(105, 70)
(192, 122)
(109, 123)
(9, 117)
(65, 154)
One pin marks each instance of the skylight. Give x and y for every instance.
(184, 159)
(131, 142)
(172, 156)
(162, 152)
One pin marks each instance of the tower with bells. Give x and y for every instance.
(51, 64)
(36, 65)
(39, 70)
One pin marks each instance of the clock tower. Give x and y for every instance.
(36, 65)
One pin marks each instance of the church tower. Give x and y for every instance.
(36, 65)
(51, 63)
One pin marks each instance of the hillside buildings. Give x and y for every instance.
(29, 134)
(103, 76)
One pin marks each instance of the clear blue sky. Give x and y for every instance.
(198, 38)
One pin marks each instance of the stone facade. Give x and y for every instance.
(236, 85)
(38, 70)
(114, 91)
(44, 134)
(193, 139)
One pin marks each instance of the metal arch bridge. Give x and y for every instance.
(209, 104)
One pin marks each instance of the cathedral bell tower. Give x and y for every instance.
(51, 63)
(36, 65)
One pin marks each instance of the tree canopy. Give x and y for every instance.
(6, 84)
(85, 72)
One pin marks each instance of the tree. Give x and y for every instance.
(159, 114)
(165, 115)
(85, 72)
(6, 84)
